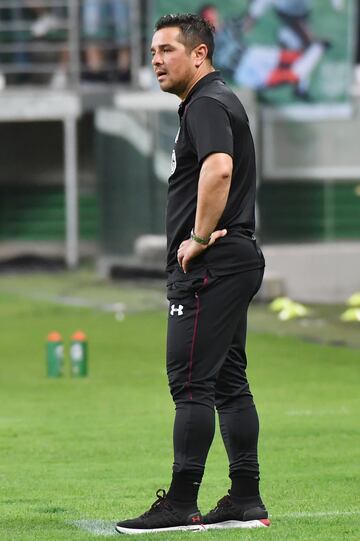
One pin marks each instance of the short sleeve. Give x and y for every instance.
(209, 128)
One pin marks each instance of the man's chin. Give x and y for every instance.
(166, 87)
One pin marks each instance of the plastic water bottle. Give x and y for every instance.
(55, 355)
(79, 354)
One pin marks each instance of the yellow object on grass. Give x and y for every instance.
(280, 303)
(292, 311)
(288, 309)
(354, 300)
(351, 314)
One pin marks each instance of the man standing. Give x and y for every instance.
(214, 269)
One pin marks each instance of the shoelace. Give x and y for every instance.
(225, 501)
(158, 504)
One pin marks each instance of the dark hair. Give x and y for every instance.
(194, 30)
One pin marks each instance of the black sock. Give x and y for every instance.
(184, 487)
(244, 487)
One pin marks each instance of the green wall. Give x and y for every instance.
(31, 213)
(309, 211)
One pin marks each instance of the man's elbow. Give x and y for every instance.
(225, 173)
(220, 165)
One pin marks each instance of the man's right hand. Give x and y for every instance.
(189, 249)
(217, 235)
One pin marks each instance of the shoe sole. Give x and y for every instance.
(134, 531)
(259, 523)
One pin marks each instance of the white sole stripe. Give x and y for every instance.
(236, 524)
(198, 528)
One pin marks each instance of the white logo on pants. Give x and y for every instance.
(178, 310)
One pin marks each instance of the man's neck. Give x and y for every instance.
(199, 75)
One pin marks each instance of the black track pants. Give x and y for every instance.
(206, 366)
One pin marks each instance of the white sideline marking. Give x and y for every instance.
(107, 527)
(318, 413)
(320, 514)
(97, 527)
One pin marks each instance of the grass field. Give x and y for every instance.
(76, 455)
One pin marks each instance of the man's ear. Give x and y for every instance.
(200, 52)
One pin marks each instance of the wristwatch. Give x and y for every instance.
(199, 240)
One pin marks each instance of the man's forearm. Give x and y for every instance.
(213, 191)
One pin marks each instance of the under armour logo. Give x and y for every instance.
(196, 519)
(179, 310)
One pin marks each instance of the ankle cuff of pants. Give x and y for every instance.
(185, 486)
(238, 474)
(188, 476)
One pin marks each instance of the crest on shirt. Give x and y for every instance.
(173, 162)
(173, 155)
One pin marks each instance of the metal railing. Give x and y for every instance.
(44, 42)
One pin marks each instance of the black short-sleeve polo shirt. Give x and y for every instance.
(213, 120)
(209, 128)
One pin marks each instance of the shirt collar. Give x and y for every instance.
(212, 76)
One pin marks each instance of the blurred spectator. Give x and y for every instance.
(26, 22)
(48, 24)
(261, 67)
(45, 20)
(14, 36)
(295, 32)
(229, 45)
(106, 22)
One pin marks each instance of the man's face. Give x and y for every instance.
(173, 64)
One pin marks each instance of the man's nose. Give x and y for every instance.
(156, 59)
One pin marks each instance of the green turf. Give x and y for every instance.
(98, 448)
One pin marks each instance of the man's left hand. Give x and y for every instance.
(190, 248)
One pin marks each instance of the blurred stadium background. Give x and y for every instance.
(86, 139)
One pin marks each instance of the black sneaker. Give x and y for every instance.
(232, 514)
(162, 517)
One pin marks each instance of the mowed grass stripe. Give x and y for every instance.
(100, 447)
